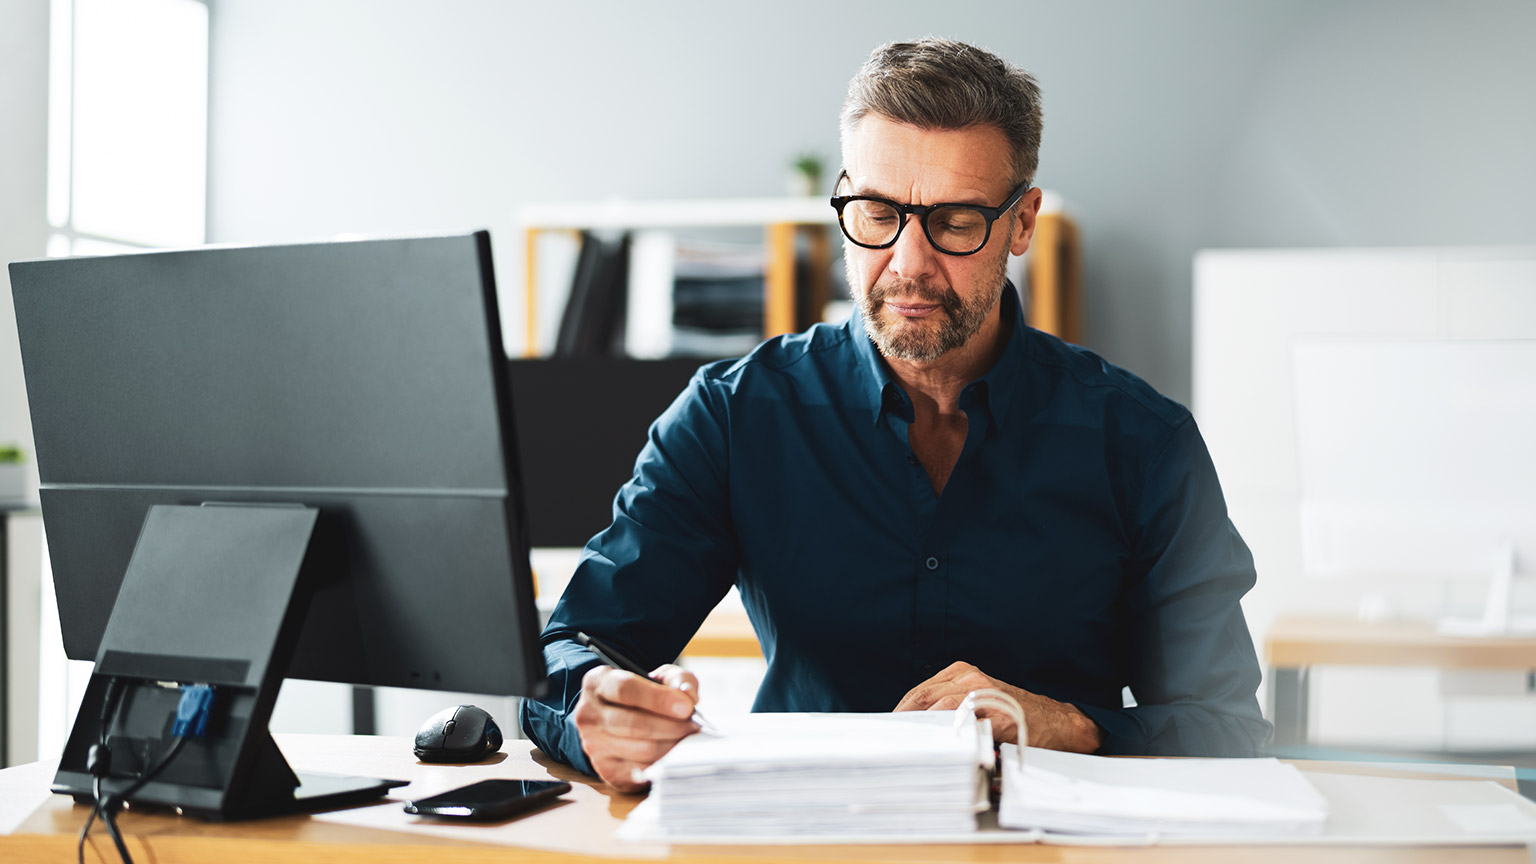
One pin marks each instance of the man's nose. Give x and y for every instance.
(913, 257)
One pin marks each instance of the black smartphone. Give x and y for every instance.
(489, 800)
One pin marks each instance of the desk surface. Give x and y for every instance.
(37, 826)
(1318, 641)
(725, 633)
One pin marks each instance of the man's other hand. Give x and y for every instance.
(1053, 725)
(628, 722)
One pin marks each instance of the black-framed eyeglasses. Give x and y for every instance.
(954, 229)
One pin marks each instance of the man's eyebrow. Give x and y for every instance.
(854, 189)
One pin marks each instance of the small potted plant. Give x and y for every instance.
(13, 473)
(805, 176)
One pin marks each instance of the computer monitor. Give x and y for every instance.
(587, 418)
(1415, 463)
(207, 420)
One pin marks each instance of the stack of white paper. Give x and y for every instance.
(827, 774)
(1068, 793)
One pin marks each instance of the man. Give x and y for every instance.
(929, 499)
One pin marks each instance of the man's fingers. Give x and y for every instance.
(957, 669)
(623, 688)
(933, 697)
(620, 774)
(918, 698)
(595, 713)
(679, 679)
(947, 702)
(627, 722)
(632, 723)
(959, 675)
(642, 751)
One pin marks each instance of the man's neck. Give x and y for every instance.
(935, 387)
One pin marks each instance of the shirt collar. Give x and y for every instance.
(994, 391)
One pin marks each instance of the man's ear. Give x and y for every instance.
(1024, 226)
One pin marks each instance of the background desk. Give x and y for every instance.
(1295, 645)
(727, 632)
(37, 826)
(7, 510)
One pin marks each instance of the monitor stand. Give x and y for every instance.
(213, 595)
(1495, 620)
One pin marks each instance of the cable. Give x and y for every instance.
(111, 823)
(111, 803)
(98, 762)
(191, 720)
(151, 773)
(80, 848)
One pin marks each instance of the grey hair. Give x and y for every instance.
(943, 84)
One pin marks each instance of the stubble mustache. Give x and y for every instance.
(907, 289)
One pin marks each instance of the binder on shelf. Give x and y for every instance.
(593, 323)
(717, 299)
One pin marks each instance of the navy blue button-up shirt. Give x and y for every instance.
(1081, 544)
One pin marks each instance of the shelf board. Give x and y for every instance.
(679, 214)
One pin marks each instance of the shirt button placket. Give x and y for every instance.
(930, 599)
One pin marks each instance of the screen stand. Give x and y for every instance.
(213, 595)
(1496, 620)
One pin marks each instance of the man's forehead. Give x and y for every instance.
(903, 162)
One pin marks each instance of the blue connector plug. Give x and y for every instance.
(192, 713)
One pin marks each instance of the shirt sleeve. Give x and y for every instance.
(675, 511)
(1195, 675)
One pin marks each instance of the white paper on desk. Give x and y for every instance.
(1413, 811)
(1377, 811)
(772, 743)
(824, 774)
(1071, 793)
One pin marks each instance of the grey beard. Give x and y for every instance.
(920, 344)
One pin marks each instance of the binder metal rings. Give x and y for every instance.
(993, 698)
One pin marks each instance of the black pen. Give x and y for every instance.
(619, 661)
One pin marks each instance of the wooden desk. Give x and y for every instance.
(1297, 644)
(36, 826)
(725, 633)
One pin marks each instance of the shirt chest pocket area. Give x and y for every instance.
(1059, 599)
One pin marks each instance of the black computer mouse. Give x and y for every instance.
(465, 733)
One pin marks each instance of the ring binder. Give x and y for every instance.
(991, 697)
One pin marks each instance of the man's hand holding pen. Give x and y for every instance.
(628, 722)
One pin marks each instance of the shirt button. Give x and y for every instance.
(911, 458)
(932, 563)
(927, 670)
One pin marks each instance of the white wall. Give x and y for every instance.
(1251, 307)
(1387, 124)
(1170, 126)
(23, 233)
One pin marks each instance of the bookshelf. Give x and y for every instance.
(1054, 273)
(1053, 265)
(780, 218)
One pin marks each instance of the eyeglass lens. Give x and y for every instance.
(952, 229)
